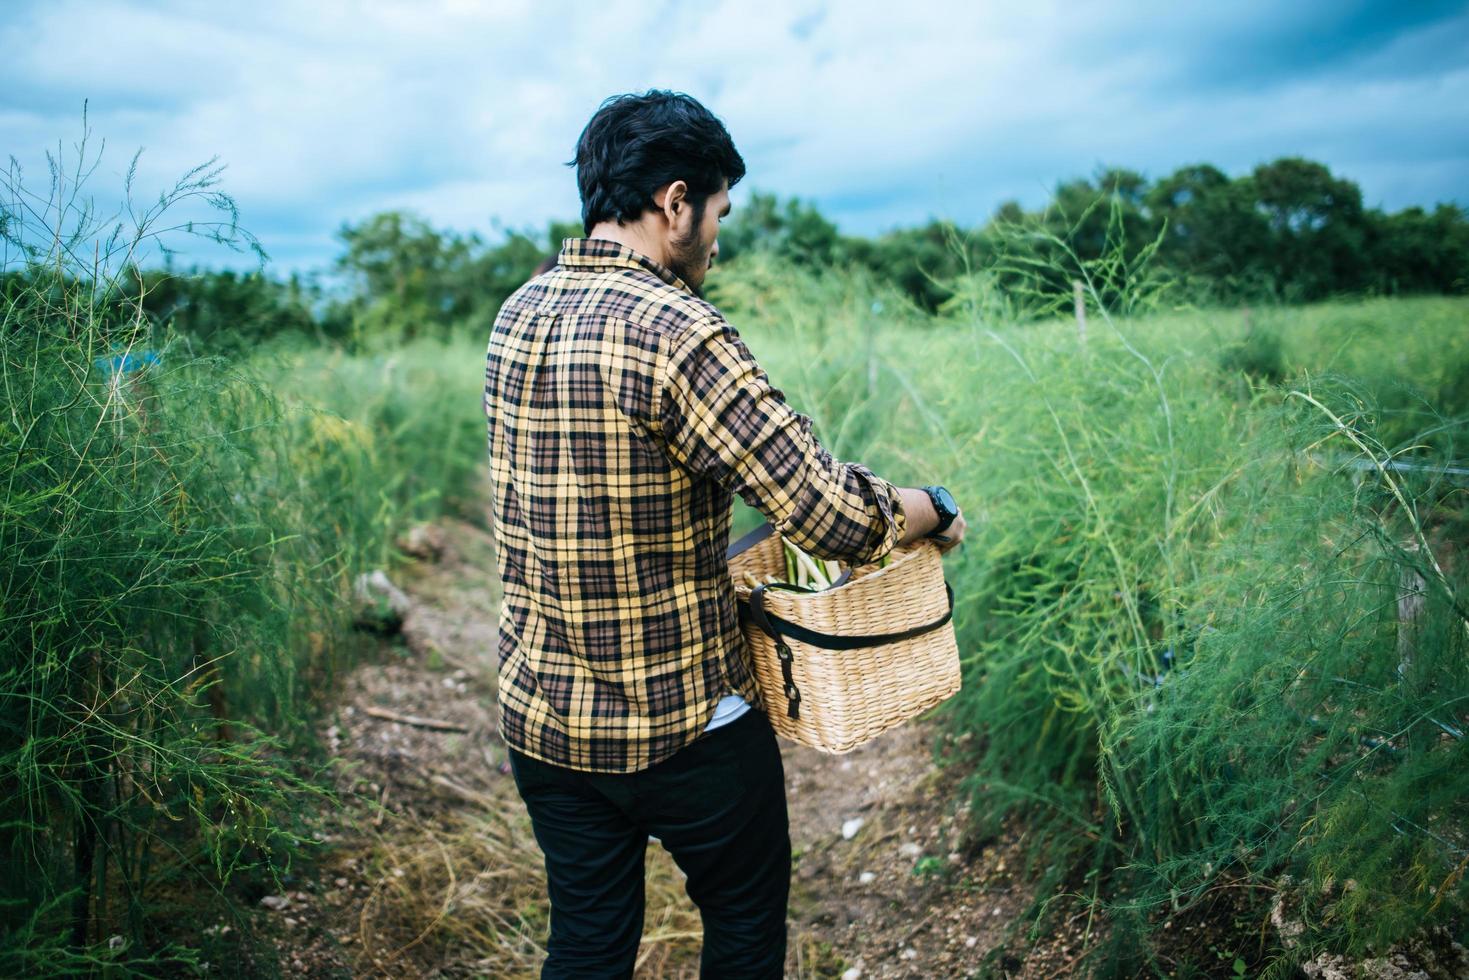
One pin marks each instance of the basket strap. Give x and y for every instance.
(776, 627)
(773, 625)
(749, 541)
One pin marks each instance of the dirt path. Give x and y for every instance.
(430, 868)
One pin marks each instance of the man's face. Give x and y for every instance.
(692, 253)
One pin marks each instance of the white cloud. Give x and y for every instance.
(892, 113)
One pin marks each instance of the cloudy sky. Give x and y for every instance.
(884, 113)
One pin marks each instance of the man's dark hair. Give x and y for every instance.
(635, 144)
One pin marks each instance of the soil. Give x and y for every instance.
(428, 866)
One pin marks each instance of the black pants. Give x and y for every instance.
(718, 805)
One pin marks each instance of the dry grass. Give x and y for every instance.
(468, 898)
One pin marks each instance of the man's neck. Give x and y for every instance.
(632, 235)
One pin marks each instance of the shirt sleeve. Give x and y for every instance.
(722, 420)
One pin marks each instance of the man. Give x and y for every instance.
(623, 412)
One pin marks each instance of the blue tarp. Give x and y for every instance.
(126, 363)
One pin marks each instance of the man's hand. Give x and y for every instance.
(953, 535)
(921, 519)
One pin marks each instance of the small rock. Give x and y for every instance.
(340, 882)
(866, 878)
(423, 541)
(997, 911)
(380, 605)
(850, 827)
(853, 973)
(970, 941)
(275, 902)
(909, 954)
(290, 922)
(910, 850)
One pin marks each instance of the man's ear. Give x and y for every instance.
(675, 204)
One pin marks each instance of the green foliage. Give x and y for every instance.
(795, 232)
(180, 543)
(412, 280)
(1178, 605)
(399, 434)
(408, 275)
(1415, 251)
(1317, 231)
(1258, 355)
(155, 617)
(1299, 731)
(227, 312)
(1410, 363)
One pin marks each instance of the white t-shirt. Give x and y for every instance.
(730, 707)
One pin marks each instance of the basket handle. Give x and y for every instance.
(749, 541)
(762, 532)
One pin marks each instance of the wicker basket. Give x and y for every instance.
(840, 666)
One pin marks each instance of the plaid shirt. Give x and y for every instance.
(623, 411)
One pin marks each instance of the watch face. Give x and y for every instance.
(946, 500)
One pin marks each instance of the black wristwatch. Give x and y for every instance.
(943, 504)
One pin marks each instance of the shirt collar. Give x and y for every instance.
(600, 254)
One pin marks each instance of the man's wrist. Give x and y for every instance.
(918, 514)
(944, 508)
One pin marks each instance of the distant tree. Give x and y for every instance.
(559, 231)
(1077, 215)
(1213, 229)
(410, 278)
(920, 260)
(1008, 212)
(494, 273)
(1290, 230)
(1417, 251)
(227, 311)
(796, 231)
(754, 226)
(1317, 231)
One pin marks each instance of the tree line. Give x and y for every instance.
(1289, 231)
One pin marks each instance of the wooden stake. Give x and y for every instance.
(1079, 298)
(1412, 595)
